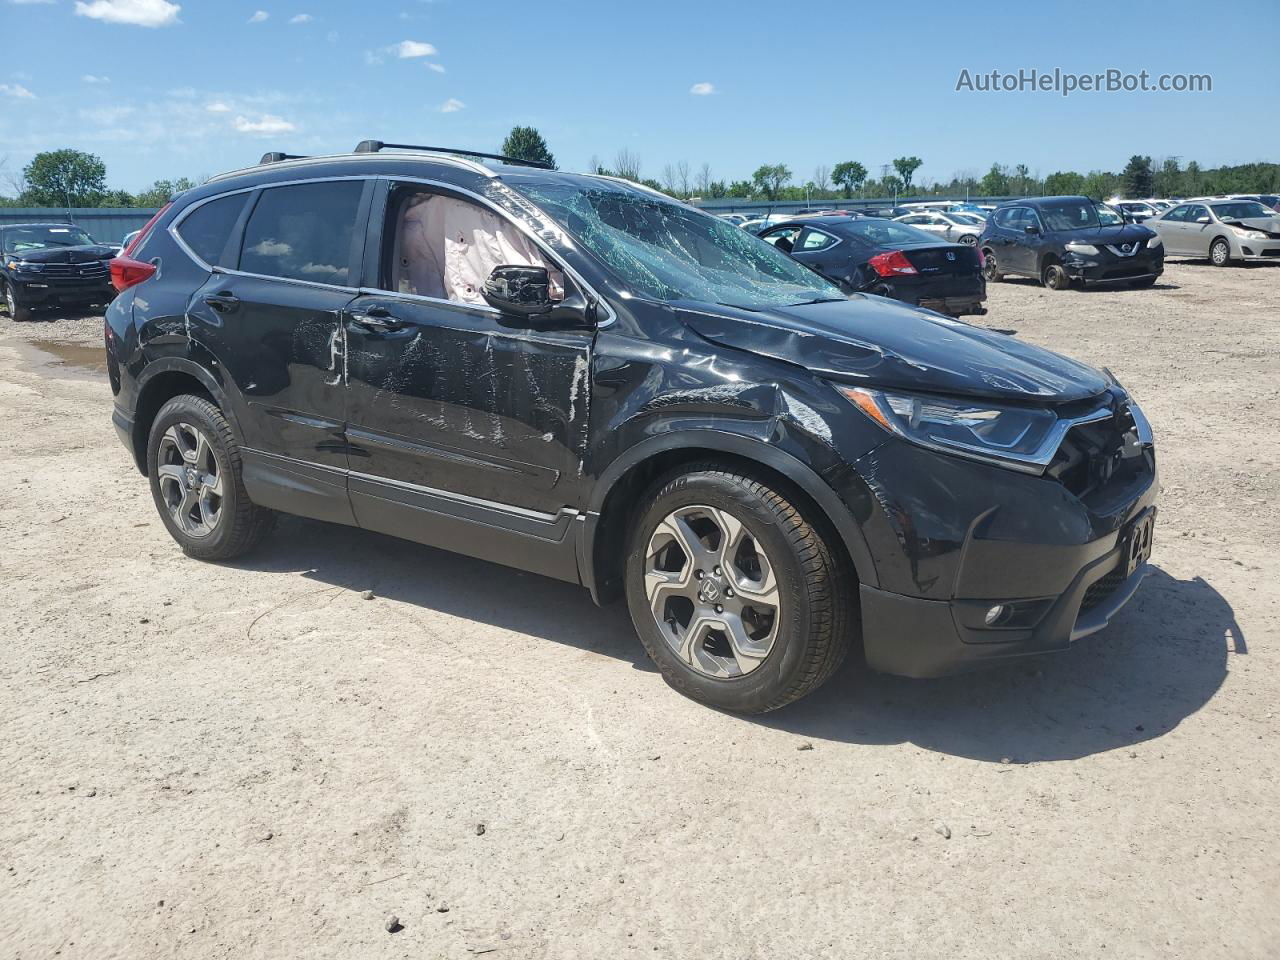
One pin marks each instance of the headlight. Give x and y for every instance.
(1022, 438)
(22, 266)
(1084, 249)
(1246, 234)
(1154, 242)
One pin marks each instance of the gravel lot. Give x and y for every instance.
(252, 760)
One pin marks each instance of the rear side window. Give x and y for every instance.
(1006, 217)
(303, 232)
(816, 240)
(207, 229)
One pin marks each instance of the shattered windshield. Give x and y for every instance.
(666, 251)
(17, 239)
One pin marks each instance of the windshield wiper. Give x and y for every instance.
(805, 303)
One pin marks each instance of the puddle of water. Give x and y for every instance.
(54, 358)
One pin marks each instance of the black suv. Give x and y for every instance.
(637, 397)
(51, 265)
(1061, 242)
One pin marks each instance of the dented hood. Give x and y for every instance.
(886, 343)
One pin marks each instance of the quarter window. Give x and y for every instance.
(303, 232)
(207, 229)
(815, 240)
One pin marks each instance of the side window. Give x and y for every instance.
(303, 232)
(445, 247)
(812, 240)
(1196, 212)
(1005, 218)
(915, 219)
(782, 239)
(1178, 214)
(207, 229)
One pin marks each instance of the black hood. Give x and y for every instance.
(1115, 234)
(85, 254)
(881, 342)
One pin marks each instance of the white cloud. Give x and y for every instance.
(259, 16)
(218, 107)
(90, 78)
(408, 49)
(301, 18)
(452, 105)
(16, 90)
(702, 89)
(332, 36)
(438, 68)
(267, 123)
(138, 13)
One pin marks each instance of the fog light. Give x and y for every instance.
(994, 614)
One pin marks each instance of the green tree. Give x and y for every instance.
(162, 191)
(995, 183)
(70, 178)
(906, 167)
(1167, 181)
(850, 175)
(769, 178)
(526, 143)
(738, 188)
(1063, 183)
(717, 189)
(1100, 184)
(1137, 178)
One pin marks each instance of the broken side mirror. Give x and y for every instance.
(524, 291)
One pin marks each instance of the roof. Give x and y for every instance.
(1035, 201)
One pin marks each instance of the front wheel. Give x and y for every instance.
(1055, 277)
(193, 461)
(968, 240)
(991, 267)
(17, 312)
(738, 598)
(1220, 253)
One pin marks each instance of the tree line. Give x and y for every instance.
(73, 178)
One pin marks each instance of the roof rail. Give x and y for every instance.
(278, 157)
(373, 146)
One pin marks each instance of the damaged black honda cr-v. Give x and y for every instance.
(580, 377)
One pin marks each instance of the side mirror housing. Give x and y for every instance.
(524, 291)
(1203, 220)
(1032, 229)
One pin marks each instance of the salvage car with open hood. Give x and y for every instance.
(578, 376)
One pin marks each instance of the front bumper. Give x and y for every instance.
(913, 637)
(1107, 268)
(35, 291)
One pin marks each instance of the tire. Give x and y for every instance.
(1055, 277)
(991, 268)
(777, 560)
(968, 240)
(1220, 253)
(17, 312)
(194, 464)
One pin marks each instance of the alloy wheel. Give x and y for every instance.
(712, 590)
(991, 268)
(10, 301)
(1220, 253)
(190, 479)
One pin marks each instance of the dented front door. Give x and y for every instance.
(451, 397)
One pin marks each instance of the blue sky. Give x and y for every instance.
(165, 89)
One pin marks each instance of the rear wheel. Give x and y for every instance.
(1055, 277)
(738, 598)
(1220, 253)
(17, 312)
(991, 267)
(968, 240)
(193, 461)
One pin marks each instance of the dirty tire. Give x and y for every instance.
(241, 523)
(991, 268)
(17, 312)
(1054, 277)
(816, 589)
(1220, 253)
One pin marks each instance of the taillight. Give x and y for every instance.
(127, 272)
(893, 264)
(146, 229)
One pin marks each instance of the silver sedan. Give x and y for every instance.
(1222, 230)
(956, 227)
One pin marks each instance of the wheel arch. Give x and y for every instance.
(163, 380)
(603, 542)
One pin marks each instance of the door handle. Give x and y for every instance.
(223, 302)
(378, 320)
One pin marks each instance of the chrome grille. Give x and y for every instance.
(93, 270)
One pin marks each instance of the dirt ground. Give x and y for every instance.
(252, 760)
